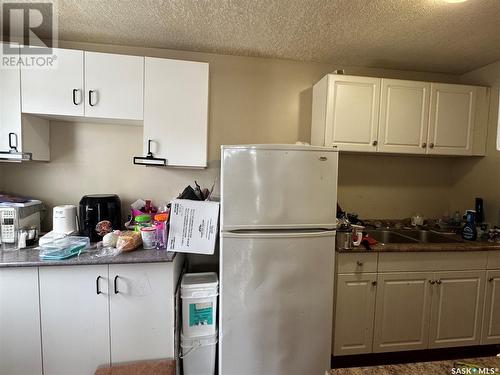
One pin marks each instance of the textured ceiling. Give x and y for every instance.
(429, 35)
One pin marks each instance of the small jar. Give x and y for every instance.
(142, 221)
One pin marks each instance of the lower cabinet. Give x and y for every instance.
(402, 312)
(69, 320)
(75, 318)
(457, 309)
(491, 316)
(353, 329)
(141, 312)
(20, 350)
(416, 305)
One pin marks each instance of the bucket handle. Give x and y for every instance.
(189, 351)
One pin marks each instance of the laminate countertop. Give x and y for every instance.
(30, 258)
(426, 247)
(482, 365)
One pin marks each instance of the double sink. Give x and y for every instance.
(409, 236)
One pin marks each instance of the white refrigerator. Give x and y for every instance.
(278, 208)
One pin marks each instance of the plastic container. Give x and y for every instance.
(161, 231)
(199, 293)
(198, 354)
(148, 235)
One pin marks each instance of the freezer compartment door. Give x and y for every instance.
(276, 303)
(281, 188)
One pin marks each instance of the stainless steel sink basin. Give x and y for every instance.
(409, 236)
(388, 236)
(427, 236)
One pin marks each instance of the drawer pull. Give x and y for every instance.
(491, 279)
(374, 283)
(432, 282)
(359, 263)
(438, 282)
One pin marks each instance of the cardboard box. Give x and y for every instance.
(194, 226)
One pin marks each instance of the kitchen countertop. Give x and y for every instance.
(427, 247)
(29, 258)
(434, 367)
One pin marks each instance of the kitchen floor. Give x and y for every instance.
(484, 365)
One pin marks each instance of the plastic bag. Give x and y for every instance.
(128, 240)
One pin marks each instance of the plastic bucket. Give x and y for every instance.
(199, 293)
(198, 354)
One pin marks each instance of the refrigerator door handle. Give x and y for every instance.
(279, 234)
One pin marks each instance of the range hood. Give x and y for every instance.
(15, 156)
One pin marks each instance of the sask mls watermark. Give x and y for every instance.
(29, 34)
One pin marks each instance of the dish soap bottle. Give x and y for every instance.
(469, 231)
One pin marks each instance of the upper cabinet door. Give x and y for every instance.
(114, 86)
(176, 111)
(352, 113)
(404, 116)
(57, 90)
(451, 119)
(10, 106)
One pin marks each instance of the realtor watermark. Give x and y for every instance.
(29, 34)
(474, 370)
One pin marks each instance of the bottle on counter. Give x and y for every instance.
(160, 224)
(469, 231)
(479, 210)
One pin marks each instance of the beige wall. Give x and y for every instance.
(480, 177)
(252, 100)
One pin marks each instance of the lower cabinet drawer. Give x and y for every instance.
(432, 261)
(493, 260)
(356, 262)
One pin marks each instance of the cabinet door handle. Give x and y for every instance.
(12, 144)
(374, 143)
(90, 97)
(359, 263)
(491, 279)
(438, 282)
(75, 91)
(431, 145)
(424, 145)
(97, 290)
(432, 282)
(115, 284)
(374, 283)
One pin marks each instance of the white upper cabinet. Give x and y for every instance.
(97, 85)
(404, 116)
(114, 86)
(54, 90)
(367, 114)
(10, 107)
(451, 119)
(345, 112)
(176, 111)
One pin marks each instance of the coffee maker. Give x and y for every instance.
(99, 214)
